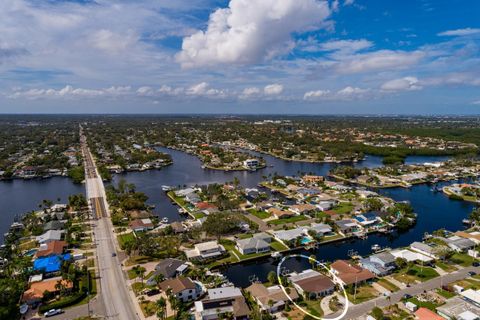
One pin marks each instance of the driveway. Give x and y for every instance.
(355, 311)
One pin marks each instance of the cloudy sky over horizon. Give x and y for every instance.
(240, 56)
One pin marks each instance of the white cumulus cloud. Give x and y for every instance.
(314, 95)
(402, 84)
(250, 31)
(346, 94)
(378, 60)
(273, 89)
(460, 32)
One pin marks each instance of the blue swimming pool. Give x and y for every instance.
(305, 240)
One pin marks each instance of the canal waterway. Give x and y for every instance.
(434, 210)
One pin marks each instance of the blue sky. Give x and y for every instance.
(240, 56)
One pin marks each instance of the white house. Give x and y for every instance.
(259, 243)
(205, 250)
(182, 288)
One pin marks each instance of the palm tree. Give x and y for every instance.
(173, 301)
(313, 261)
(161, 308)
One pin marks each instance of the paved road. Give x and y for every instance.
(113, 286)
(364, 308)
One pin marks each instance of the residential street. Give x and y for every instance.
(355, 311)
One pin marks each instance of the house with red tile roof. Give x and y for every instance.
(350, 273)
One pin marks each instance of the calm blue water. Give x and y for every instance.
(434, 209)
(20, 196)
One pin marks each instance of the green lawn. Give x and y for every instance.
(278, 246)
(388, 285)
(423, 273)
(124, 238)
(462, 259)
(364, 293)
(425, 304)
(343, 208)
(260, 214)
(288, 220)
(446, 294)
(445, 266)
(199, 215)
(137, 287)
(410, 275)
(313, 306)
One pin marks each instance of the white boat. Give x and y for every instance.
(276, 255)
(165, 220)
(166, 188)
(376, 247)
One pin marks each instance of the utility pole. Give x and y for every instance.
(355, 289)
(88, 302)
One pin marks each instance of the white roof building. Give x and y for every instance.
(50, 235)
(410, 255)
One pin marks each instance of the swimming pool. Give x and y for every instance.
(305, 240)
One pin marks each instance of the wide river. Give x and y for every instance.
(434, 210)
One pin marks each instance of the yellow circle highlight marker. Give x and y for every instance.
(335, 279)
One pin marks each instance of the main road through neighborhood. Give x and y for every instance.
(116, 296)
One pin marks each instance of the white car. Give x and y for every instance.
(53, 312)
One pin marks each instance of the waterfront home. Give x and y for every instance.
(304, 193)
(178, 227)
(381, 264)
(35, 293)
(411, 256)
(350, 273)
(280, 214)
(184, 192)
(347, 226)
(289, 236)
(58, 207)
(364, 194)
(55, 247)
(252, 194)
(259, 243)
(182, 288)
(312, 284)
(432, 251)
(270, 299)
(311, 179)
(303, 209)
(141, 225)
(251, 163)
(221, 301)
(167, 268)
(368, 219)
(459, 244)
(320, 229)
(202, 205)
(474, 236)
(263, 205)
(50, 235)
(205, 250)
(54, 225)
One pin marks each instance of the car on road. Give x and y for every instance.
(407, 296)
(114, 254)
(476, 264)
(472, 273)
(53, 312)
